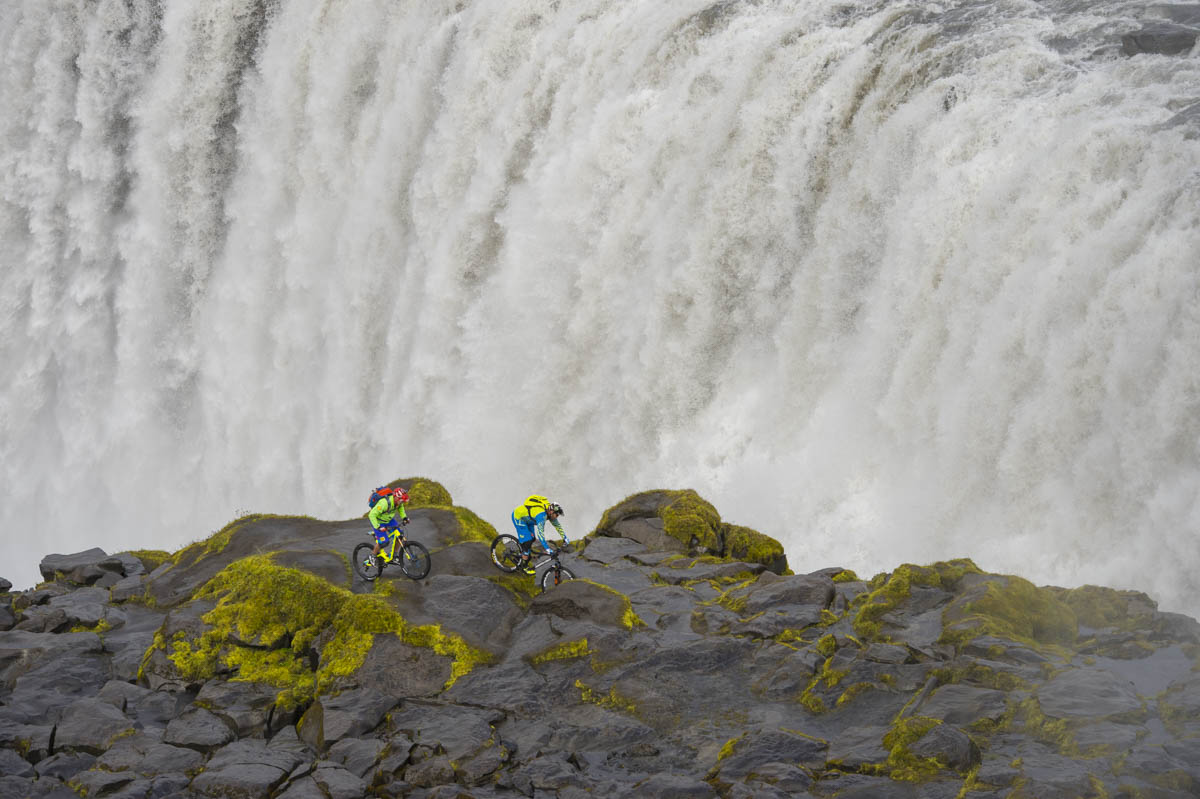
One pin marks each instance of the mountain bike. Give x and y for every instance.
(506, 556)
(413, 557)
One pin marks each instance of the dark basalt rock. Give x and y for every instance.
(685, 662)
(1162, 38)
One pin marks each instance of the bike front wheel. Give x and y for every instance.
(364, 566)
(414, 560)
(506, 552)
(555, 576)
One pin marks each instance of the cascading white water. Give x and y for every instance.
(888, 281)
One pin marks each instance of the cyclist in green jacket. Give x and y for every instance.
(383, 517)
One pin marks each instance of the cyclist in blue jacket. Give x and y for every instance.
(530, 519)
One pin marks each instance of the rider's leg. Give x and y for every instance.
(381, 538)
(524, 528)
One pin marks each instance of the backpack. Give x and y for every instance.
(398, 494)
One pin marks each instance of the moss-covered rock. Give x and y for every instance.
(455, 524)
(423, 492)
(889, 591)
(271, 624)
(1013, 608)
(684, 521)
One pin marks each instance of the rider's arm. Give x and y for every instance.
(540, 528)
(558, 526)
(377, 512)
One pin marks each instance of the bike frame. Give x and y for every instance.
(388, 553)
(545, 557)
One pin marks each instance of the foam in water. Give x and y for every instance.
(888, 282)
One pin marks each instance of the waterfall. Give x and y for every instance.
(890, 282)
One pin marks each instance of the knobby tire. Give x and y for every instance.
(416, 562)
(506, 551)
(367, 573)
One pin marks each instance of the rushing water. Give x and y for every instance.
(889, 281)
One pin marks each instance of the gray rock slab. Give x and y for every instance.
(245, 768)
(458, 731)
(603, 549)
(150, 710)
(148, 756)
(395, 669)
(1087, 693)
(963, 704)
(14, 765)
(304, 787)
(350, 714)
(752, 751)
(66, 564)
(479, 610)
(199, 729)
(800, 589)
(950, 746)
(858, 746)
(98, 782)
(357, 755)
(244, 706)
(675, 786)
(339, 783)
(64, 765)
(90, 725)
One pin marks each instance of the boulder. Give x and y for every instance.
(347, 715)
(1160, 38)
(199, 729)
(90, 725)
(245, 768)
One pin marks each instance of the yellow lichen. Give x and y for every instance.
(561, 651)
(611, 700)
(267, 618)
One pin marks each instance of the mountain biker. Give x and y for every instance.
(383, 517)
(530, 519)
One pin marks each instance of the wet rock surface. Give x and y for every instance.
(255, 665)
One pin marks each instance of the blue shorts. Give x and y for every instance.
(382, 535)
(525, 528)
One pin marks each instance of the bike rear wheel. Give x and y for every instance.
(359, 560)
(414, 560)
(506, 552)
(554, 576)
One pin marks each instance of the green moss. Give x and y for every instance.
(687, 517)
(902, 764)
(1055, 733)
(888, 591)
(751, 546)
(267, 618)
(99, 627)
(426, 493)
(854, 690)
(827, 645)
(151, 558)
(845, 576)
(216, 543)
(978, 674)
(1016, 609)
(474, 528)
(562, 651)
(729, 746)
(611, 700)
(423, 492)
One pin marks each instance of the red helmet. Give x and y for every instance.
(400, 495)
